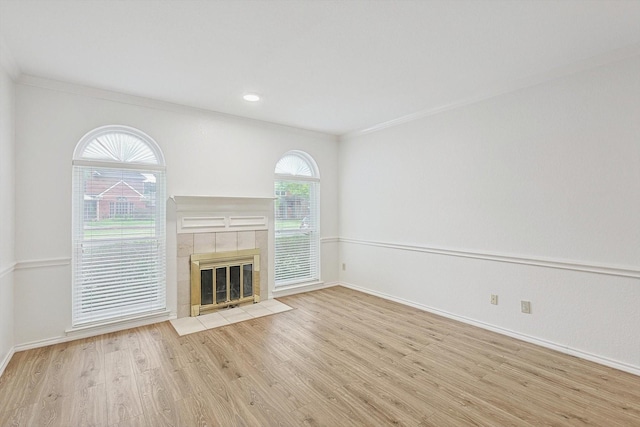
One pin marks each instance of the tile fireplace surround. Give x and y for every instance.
(220, 224)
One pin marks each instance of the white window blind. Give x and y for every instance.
(297, 252)
(118, 227)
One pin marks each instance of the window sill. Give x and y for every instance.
(118, 325)
(297, 288)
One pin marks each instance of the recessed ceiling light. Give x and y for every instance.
(251, 97)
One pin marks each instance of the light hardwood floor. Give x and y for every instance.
(340, 358)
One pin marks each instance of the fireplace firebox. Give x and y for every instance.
(221, 279)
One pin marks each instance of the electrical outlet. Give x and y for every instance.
(525, 307)
(344, 266)
(494, 299)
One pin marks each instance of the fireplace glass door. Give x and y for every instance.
(222, 279)
(229, 283)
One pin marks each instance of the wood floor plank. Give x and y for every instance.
(570, 404)
(266, 404)
(59, 380)
(582, 373)
(196, 410)
(123, 397)
(115, 341)
(212, 400)
(140, 346)
(86, 408)
(602, 399)
(326, 414)
(88, 359)
(18, 416)
(339, 358)
(375, 406)
(158, 392)
(140, 421)
(27, 371)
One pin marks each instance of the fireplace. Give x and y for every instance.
(222, 236)
(221, 279)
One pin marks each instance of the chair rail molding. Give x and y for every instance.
(4, 270)
(330, 239)
(42, 263)
(539, 262)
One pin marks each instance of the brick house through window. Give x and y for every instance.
(118, 194)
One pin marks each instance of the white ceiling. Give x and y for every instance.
(331, 66)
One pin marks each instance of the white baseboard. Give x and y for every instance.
(523, 337)
(76, 334)
(304, 287)
(6, 360)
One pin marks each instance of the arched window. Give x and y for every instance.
(297, 219)
(118, 226)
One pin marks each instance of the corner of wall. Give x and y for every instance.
(7, 344)
(7, 62)
(4, 362)
(8, 72)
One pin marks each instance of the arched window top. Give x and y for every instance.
(297, 219)
(119, 144)
(297, 163)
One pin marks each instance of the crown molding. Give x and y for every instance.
(508, 87)
(157, 104)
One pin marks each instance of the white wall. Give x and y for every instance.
(467, 200)
(206, 154)
(7, 209)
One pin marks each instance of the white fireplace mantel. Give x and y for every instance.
(204, 214)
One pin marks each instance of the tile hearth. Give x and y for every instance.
(189, 325)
